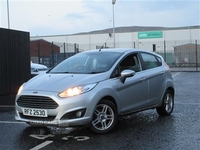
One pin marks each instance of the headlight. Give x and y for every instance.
(20, 89)
(77, 90)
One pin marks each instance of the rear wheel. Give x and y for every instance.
(104, 117)
(167, 105)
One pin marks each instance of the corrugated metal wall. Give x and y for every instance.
(14, 60)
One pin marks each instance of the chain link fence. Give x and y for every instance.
(179, 55)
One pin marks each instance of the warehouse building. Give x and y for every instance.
(162, 40)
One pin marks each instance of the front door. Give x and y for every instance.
(134, 91)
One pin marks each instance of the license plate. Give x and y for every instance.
(35, 112)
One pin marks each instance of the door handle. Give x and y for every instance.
(142, 79)
(162, 72)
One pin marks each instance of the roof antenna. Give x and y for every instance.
(109, 36)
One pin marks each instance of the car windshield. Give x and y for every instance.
(88, 63)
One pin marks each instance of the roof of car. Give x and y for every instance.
(121, 50)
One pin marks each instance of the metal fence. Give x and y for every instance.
(47, 53)
(179, 55)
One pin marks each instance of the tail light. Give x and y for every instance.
(167, 66)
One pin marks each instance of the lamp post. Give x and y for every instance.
(8, 14)
(113, 2)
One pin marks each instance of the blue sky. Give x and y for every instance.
(58, 17)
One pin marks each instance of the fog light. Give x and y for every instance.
(74, 114)
(79, 114)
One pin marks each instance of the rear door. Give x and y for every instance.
(152, 65)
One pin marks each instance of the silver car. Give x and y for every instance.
(95, 87)
(37, 69)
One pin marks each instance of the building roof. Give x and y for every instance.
(127, 29)
(137, 29)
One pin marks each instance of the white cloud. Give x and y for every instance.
(159, 13)
(53, 17)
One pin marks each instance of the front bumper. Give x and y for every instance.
(55, 122)
(70, 112)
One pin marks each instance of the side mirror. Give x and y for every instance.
(125, 74)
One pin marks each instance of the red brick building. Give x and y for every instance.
(43, 50)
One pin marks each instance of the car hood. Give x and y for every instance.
(60, 82)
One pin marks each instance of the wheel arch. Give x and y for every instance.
(110, 98)
(167, 105)
(172, 90)
(97, 126)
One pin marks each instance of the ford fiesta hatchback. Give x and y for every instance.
(95, 87)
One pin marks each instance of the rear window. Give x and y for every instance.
(151, 61)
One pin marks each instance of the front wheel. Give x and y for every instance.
(104, 117)
(167, 105)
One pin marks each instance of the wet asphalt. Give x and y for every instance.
(140, 131)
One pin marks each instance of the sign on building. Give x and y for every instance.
(150, 34)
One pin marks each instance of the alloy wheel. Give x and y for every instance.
(103, 117)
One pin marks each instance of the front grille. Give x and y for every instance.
(42, 102)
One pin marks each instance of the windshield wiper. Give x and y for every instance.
(58, 72)
(95, 72)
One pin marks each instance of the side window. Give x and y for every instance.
(150, 61)
(159, 61)
(137, 67)
(130, 62)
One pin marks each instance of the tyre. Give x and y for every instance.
(104, 118)
(167, 104)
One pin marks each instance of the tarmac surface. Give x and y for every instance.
(140, 131)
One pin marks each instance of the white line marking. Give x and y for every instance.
(176, 74)
(41, 145)
(10, 122)
(41, 137)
